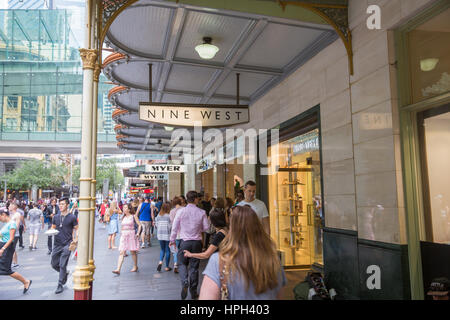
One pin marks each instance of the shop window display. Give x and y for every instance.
(434, 130)
(295, 204)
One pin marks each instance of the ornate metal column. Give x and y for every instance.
(83, 275)
(97, 71)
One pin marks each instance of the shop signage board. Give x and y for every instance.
(165, 168)
(137, 169)
(187, 115)
(307, 143)
(153, 177)
(206, 164)
(151, 156)
(141, 185)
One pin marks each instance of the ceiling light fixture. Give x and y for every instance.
(206, 50)
(428, 64)
(169, 128)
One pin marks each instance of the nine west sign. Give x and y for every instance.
(186, 115)
(164, 168)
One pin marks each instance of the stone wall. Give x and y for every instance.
(363, 189)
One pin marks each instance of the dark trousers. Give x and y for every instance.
(60, 259)
(188, 267)
(20, 236)
(49, 240)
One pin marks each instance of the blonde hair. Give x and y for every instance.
(249, 251)
(113, 207)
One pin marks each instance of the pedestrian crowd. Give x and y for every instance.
(233, 235)
(19, 216)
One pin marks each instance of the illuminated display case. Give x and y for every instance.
(295, 200)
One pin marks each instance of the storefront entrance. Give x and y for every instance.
(434, 141)
(423, 48)
(295, 196)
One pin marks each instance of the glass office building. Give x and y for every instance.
(41, 77)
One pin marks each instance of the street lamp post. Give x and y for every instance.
(4, 192)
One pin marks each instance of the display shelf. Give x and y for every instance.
(284, 169)
(291, 183)
(294, 231)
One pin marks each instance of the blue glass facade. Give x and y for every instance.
(41, 77)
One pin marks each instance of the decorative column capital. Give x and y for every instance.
(81, 278)
(92, 269)
(89, 57)
(97, 71)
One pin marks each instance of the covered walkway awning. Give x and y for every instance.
(264, 46)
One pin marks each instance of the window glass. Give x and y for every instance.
(429, 48)
(437, 146)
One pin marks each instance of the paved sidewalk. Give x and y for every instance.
(146, 284)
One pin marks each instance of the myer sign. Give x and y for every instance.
(164, 168)
(153, 177)
(187, 115)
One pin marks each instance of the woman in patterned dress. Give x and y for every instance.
(129, 239)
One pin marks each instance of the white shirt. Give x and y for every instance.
(258, 206)
(16, 218)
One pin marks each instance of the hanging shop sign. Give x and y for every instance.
(137, 169)
(205, 164)
(186, 115)
(306, 143)
(141, 185)
(165, 168)
(151, 156)
(153, 177)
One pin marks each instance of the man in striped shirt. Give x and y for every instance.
(190, 222)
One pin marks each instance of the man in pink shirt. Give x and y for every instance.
(190, 222)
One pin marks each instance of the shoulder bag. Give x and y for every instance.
(107, 215)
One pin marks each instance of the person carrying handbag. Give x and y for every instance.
(246, 267)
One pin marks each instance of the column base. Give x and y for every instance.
(81, 278)
(81, 294)
(90, 290)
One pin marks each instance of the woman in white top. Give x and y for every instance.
(176, 208)
(163, 227)
(36, 219)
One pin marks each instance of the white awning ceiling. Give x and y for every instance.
(264, 50)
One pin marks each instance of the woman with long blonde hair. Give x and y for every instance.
(112, 214)
(248, 260)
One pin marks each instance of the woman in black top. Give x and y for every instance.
(217, 216)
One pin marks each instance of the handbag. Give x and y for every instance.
(107, 215)
(136, 228)
(223, 280)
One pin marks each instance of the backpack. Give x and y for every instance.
(312, 288)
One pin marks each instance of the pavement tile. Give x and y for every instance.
(146, 284)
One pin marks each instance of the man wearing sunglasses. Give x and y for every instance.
(67, 225)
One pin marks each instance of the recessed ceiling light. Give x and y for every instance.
(206, 50)
(428, 64)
